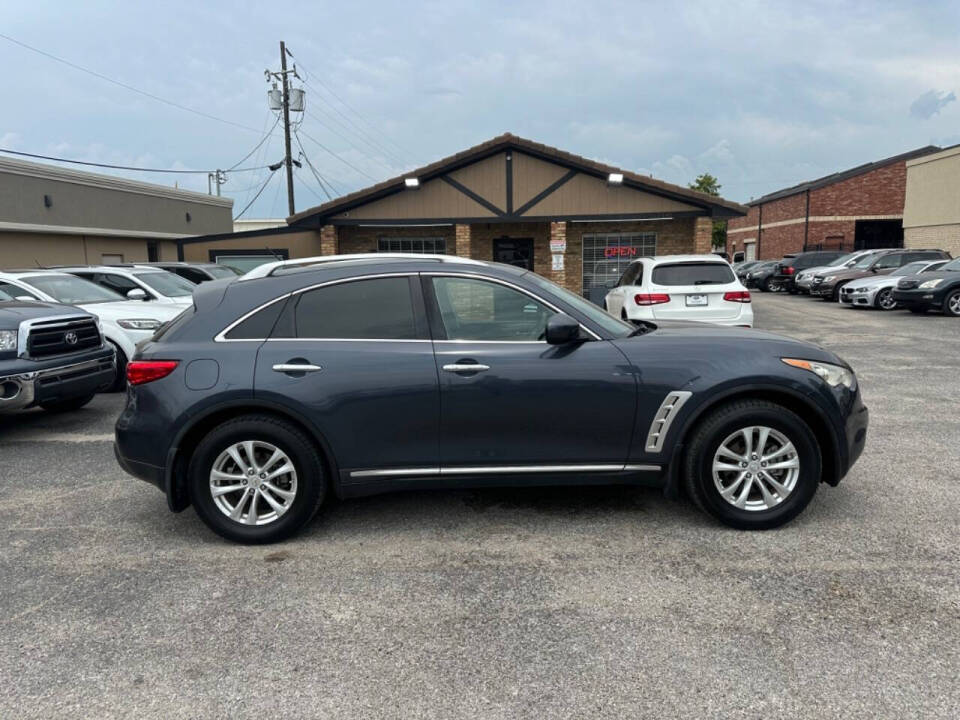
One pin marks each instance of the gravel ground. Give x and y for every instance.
(502, 603)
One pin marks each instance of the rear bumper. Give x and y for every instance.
(144, 471)
(58, 383)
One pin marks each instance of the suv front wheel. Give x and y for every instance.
(753, 465)
(256, 479)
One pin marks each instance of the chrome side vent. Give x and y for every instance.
(661, 421)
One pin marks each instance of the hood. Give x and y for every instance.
(871, 281)
(933, 275)
(130, 309)
(13, 312)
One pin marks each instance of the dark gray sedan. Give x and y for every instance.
(359, 375)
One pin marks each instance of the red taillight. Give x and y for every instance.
(651, 298)
(788, 270)
(144, 371)
(740, 296)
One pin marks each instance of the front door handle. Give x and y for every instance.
(465, 367)
(296, 368)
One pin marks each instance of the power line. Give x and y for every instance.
(348, 140)
(257, 146)
(312, 191)
(345, 162)
(122, 167)
(320, 179)
(128, 87)
(346, 105)
(262, 188)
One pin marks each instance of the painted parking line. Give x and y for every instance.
(57, 437)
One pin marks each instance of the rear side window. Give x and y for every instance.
(889, 261)
(693, 274)
(259, 325)
(194, 276)
(378, 309)
(632, 275)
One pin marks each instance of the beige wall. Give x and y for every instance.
(19, 249)
(931, 213)
(299, 244)
(942, 237)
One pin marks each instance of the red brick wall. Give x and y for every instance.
(879, 192)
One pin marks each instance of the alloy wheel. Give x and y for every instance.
(885, 299)
(953, 304)
(756, 468)
(253, 482)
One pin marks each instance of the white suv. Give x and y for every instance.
(681, 287)
(137, 282)
(123, 322)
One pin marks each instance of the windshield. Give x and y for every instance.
(864, 262)
(72, 290)
(952, 266)
(910, 269)
(614, 326)
(223, 271)
(167, 284)
(843, 259)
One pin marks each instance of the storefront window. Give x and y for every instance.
(606, 256)
(421, 245)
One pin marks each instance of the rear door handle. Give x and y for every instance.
(296, 368)
(465, 367)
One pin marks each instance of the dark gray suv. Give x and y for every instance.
(359, 375)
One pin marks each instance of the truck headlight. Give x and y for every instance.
(138, 324)
(930, 284)
(8, 339)
(833, 375)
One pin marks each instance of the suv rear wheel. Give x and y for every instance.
(753, 465)
(256, 479)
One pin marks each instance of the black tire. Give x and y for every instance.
(120, 382)
(769, 286)
(67, 405)
(953, 299)
(835, 295)
(880, 302)
(720, 424)
(299, 448)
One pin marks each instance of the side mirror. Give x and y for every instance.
(562, 329)
(137, 294)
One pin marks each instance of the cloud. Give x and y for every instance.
(930, 103)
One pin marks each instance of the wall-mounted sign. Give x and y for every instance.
(557, 262)
(558, 246)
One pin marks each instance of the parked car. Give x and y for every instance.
(681, 287)
(805, 277)
(123, 322)
(358, 376)
(935, 290)
(137, 282)
(877, 292)
(759, 277)
(827, 285)
(196, 272)
(787, 269)
(51, 356)
(741, 269)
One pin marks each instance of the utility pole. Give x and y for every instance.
(219, 177)
(286, 125)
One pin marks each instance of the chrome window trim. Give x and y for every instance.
(505, 283)
(502, 469)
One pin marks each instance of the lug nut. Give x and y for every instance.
(763, 464)
(743, 464)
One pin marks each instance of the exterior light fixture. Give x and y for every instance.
(412, 183)
(615, 179)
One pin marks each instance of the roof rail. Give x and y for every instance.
(267, 269)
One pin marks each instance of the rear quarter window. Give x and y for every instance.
(703, 273)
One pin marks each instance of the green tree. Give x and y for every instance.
(707, 183)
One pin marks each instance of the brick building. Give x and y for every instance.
(854, 209)
(573, 220)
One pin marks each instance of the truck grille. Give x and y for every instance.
(62, 337)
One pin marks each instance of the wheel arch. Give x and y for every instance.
(190, 434)
(815, 418)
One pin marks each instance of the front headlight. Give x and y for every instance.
(136, 324)
(829, 278)
(8, 339)
(930, 284)
(833, 375)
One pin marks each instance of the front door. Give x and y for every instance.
(355, 357)
(507, 398)
(512, 251)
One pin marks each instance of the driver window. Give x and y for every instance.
(485, 311)
(888, 261)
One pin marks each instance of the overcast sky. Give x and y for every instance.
(763, 95)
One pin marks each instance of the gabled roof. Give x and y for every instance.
(715, 205)
(843, 175)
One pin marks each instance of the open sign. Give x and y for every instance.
(613, 251)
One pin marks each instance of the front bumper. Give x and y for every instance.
(928, 299)
(58, 383)
(822, 289)
(856, 430)
(865, 298)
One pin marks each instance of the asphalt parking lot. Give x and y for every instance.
(502, 603)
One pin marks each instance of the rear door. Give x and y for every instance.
(694, 290)
(355, 357)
